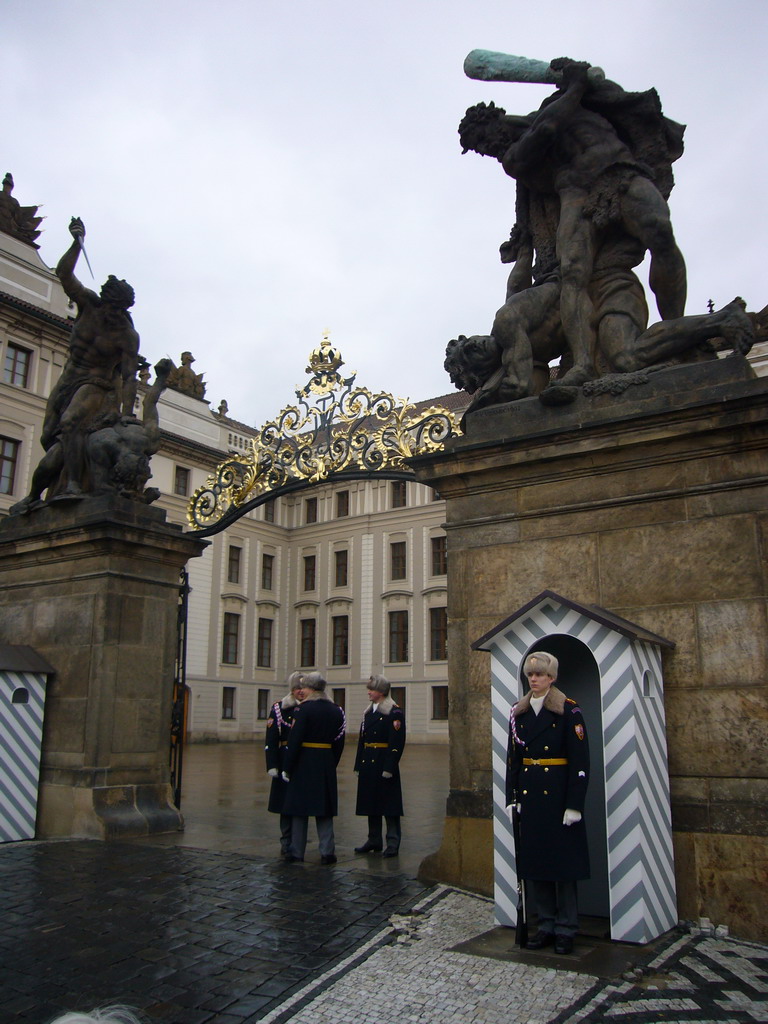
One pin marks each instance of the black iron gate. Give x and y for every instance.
(180, 690)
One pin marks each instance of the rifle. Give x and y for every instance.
(521, 928)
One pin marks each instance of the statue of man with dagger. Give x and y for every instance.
(97, 387)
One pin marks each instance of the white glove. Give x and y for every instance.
(285, 777)
(273, 772)
(571, 817)
(509, 809)
(386, 775)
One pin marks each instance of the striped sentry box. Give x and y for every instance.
(639, 875)
(23, 678)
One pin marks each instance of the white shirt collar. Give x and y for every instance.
(536, 703)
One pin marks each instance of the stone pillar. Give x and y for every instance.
(653, 504)
(93, 586)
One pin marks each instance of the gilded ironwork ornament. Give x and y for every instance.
(336, 427)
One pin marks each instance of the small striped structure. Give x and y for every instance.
(640, 866)
(23, 678)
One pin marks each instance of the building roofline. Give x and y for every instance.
(185, 443)
(34, 311)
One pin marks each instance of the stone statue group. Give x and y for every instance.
(94, 444)
(593, 172)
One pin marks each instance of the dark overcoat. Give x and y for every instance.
(549, 850)
(315, 743)
(276, 742)
(379, 749)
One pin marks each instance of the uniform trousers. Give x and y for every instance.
(285, 833)
(555, 904)
(393, 831)
(325, 837)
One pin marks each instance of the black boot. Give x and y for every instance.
(368, 847)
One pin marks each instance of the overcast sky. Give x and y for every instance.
(263, 170)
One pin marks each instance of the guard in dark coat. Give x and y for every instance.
(547, 776)
(379, 749)
(315, 743)
(276, 742)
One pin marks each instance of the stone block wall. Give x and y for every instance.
(654, 505)
(93, 586)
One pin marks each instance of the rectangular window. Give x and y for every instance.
(264, 644)
(341, 559)
(438, 634)
(397, 560)
(228, 702)
(9, 458)
(234, 558)
(231, 639)
(310, 510)
(398, 494)
(339, 696)
(267, 566)
(340, 639)
(310, 564)
(439, 556)
(269, 511)
(181, 481)
(397, 693)
(342, 504)
(398, 636)
(17, 361)
(308, 634)
(440, 703)
(262, 705)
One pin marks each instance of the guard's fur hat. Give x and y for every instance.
(540, 661)
(295, 681)
(314, 681)
(379, 684)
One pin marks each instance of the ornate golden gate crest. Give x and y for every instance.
(337, 429)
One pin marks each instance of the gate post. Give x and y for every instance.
(93, 586)
(651, 503)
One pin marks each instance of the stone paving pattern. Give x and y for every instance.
(209, 926)
(417, 978)
(697, 979)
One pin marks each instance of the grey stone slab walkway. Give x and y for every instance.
(209, 926)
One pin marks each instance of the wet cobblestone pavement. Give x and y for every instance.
(186, 935)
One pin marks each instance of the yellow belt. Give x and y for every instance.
(545, 760)
(317, 746)
(377, 746)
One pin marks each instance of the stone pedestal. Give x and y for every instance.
(93, 586)
(653, 504)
